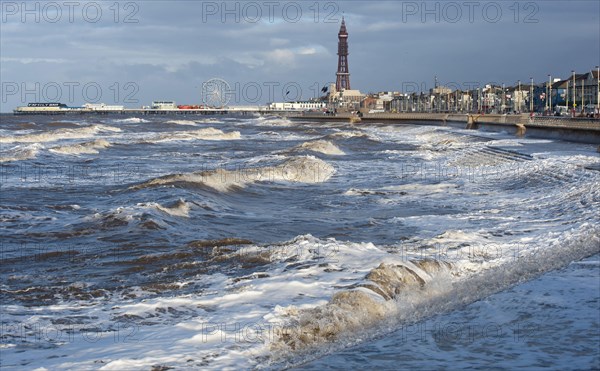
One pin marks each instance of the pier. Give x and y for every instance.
(145, 111)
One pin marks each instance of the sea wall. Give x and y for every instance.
(563, 128)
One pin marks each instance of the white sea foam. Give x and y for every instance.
(406, 291)
(200, 134)
(414, 189)
(81, 148)
(273, 121)
(322, 146)
(19, 153)
(310, 297)
(348, 134)
(212, 120)
(59, 134)
(553, 300)
(121, 213)
(287, 136)
(428, 138)
(180, 208)
(307, 169)
(132, 120)
(182, 122)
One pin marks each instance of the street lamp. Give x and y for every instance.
(531, 96)
(520, 98)
(503, 100)
(567, 94)
(598, 91)
(546, 101)
(550, 91)
(574, 88)
(582, 96)
(456, 101)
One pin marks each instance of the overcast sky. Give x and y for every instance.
(139, 51)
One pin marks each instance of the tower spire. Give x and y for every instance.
(343, 73)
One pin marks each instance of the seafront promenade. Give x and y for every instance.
(523, 119)
(566, 128)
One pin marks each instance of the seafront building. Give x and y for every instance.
(102, 107)
(577, 95)
(298, 106)
(164, 105)
(551, 98)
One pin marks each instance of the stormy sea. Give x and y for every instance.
(256, 242)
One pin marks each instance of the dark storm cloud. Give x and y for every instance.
(172, 47)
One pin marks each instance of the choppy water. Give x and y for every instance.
(262, 242)
(548, 323)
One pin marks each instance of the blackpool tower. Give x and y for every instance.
(343, 74)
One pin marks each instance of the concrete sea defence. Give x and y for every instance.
(564, 128)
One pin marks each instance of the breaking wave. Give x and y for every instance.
(81, 148)
(322, 146)
(185, 268)
(59, 134)
(400, 292)
(347, 135)
(362, 306)
(182, 122)
(306, 169)
(180, 208)
(132, 120)
(273, 121)
(211, 120)
(201, 134)
(19, 153)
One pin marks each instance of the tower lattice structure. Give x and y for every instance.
(343, 73)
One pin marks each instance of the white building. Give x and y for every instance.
(42, 107)
(297, 106)
(384, 100)
(441, 90)
(166, 105)
(102, 107)
(346, 98)
(520, 99)
(465, 101)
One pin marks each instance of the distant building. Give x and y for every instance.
(440, 98)
(42, 107)
(442, 90)
(166, 105)
(403, 102)
(346, 99)
(518, 100)
(585, 91)
(298, 106)
(465, 101)
(102, 107)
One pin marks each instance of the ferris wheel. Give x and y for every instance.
(216, 93)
